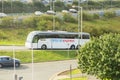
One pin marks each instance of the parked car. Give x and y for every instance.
(73, 10)
(64, 11)
(7, 61)
(50, 12)
(3, 15)
(38, 13)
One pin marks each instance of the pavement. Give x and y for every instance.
(38, 71)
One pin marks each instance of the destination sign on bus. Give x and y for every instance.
(64, 40)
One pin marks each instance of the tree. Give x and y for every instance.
(35, 0)
(39, 6)
(101, 57)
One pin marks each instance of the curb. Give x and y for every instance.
(56, 77)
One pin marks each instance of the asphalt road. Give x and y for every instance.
(41, 71)
(12, 47)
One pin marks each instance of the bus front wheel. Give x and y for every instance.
(44, 47)
(72, 47)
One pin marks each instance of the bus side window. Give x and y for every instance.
(35, 39)
(71, 36)
(54, 36)
(76, 36)
(68, 36)
(85, 36)
(61, 36)
(79, 36)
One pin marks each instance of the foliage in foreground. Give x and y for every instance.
(101, 57)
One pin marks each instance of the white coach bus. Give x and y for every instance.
(56, 40)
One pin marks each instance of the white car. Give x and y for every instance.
(50, 12)
(3, 15)
(38, 13)
(64, 11)
(73, 10)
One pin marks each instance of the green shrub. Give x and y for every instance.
(3, 35)
(7, 22)
(96, 16)
(101, 57)
(30, 22)
(87, 16)
(44, 25)
(109, 14)
(69, 18)
(41, 24)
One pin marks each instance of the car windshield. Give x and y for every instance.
(6, 58)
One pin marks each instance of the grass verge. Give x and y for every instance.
(41, 55)
(74, 72)
(81, 78)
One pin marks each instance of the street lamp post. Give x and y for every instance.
(50, 4)
(111, 3)
(79, 26)
(32, 56)
(80, 17)
(2, 6)
(53, 16)
(80, 23)
(11, 6)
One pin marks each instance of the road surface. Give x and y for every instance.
(13, 47)
(41, 71)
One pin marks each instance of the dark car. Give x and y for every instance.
(6, 61)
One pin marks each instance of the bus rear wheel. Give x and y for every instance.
(78, 46)
(72, 47)
(44, 47)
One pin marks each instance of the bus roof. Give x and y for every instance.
(55, 32)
